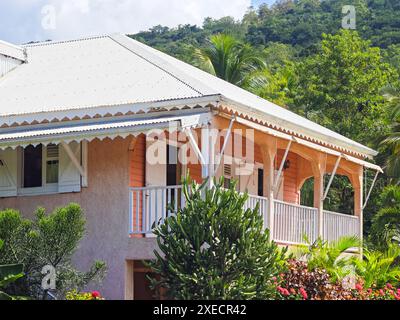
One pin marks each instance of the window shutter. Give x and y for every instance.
(8, 173)
(69, 178)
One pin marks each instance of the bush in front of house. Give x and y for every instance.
(213, 248)
(76, 295)
(299, 282)
(46, 240)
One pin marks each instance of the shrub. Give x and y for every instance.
(75, 295)
(379, 268)
(8, 274)
(46, 240)
(330, 256)
(301, 282)
(214, 249)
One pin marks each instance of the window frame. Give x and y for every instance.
(46, 188)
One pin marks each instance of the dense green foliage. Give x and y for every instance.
(385, 226)
(377, 268)
(332, 86)
(9, 273)
(329, 256)
(46, 240)
(214, 249)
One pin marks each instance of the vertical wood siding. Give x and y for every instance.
(137, 175)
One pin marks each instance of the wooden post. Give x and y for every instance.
(319, 166)
(357, 181)
(269, 151)
(129, 278)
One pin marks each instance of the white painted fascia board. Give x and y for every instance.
(300, 130)
(92, 130)
(11, 50)
(145, 107)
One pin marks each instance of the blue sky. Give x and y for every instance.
(22, 21)
(258, 2)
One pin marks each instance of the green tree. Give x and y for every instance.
(385, 226)
(340, 87)
(215, 249)
(47, 240)
(229, 59)
(391, 142)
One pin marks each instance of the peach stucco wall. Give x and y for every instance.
(105, 203)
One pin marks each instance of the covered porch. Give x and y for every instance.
(271, 166)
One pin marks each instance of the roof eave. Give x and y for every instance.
(294, 127)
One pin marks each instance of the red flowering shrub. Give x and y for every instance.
(75, 295)
(299, 283)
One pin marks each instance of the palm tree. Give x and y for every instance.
(379, 268)
(385, 227)
(231, 60)
(330, 256)
(392, 140)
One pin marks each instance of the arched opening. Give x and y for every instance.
(340, 196)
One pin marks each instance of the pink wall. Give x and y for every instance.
(106, 204)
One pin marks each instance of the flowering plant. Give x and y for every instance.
(75, 295)
(299, 283)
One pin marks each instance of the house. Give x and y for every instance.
(113, 124)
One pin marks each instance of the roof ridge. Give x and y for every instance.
(147, 53)
(55, 42)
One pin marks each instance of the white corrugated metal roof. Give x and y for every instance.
(83, 74)
(82, 130)
(111, 71)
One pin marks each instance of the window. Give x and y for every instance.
(52, 163)
(172, 166)
(40, 166)
(32, 167)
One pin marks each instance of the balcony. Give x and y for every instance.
(292, 222)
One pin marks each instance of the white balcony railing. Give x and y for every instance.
(337, 225)
(292, 222)
(152, 204)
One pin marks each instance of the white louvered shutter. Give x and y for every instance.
(69, 178)
(8, 173)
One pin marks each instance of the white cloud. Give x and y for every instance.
(76, 18)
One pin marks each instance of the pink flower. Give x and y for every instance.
(369, 291)
(389, 286)
(96, 294)
(381, 292)
(286, 292)
(359, 287)
(303, 293)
